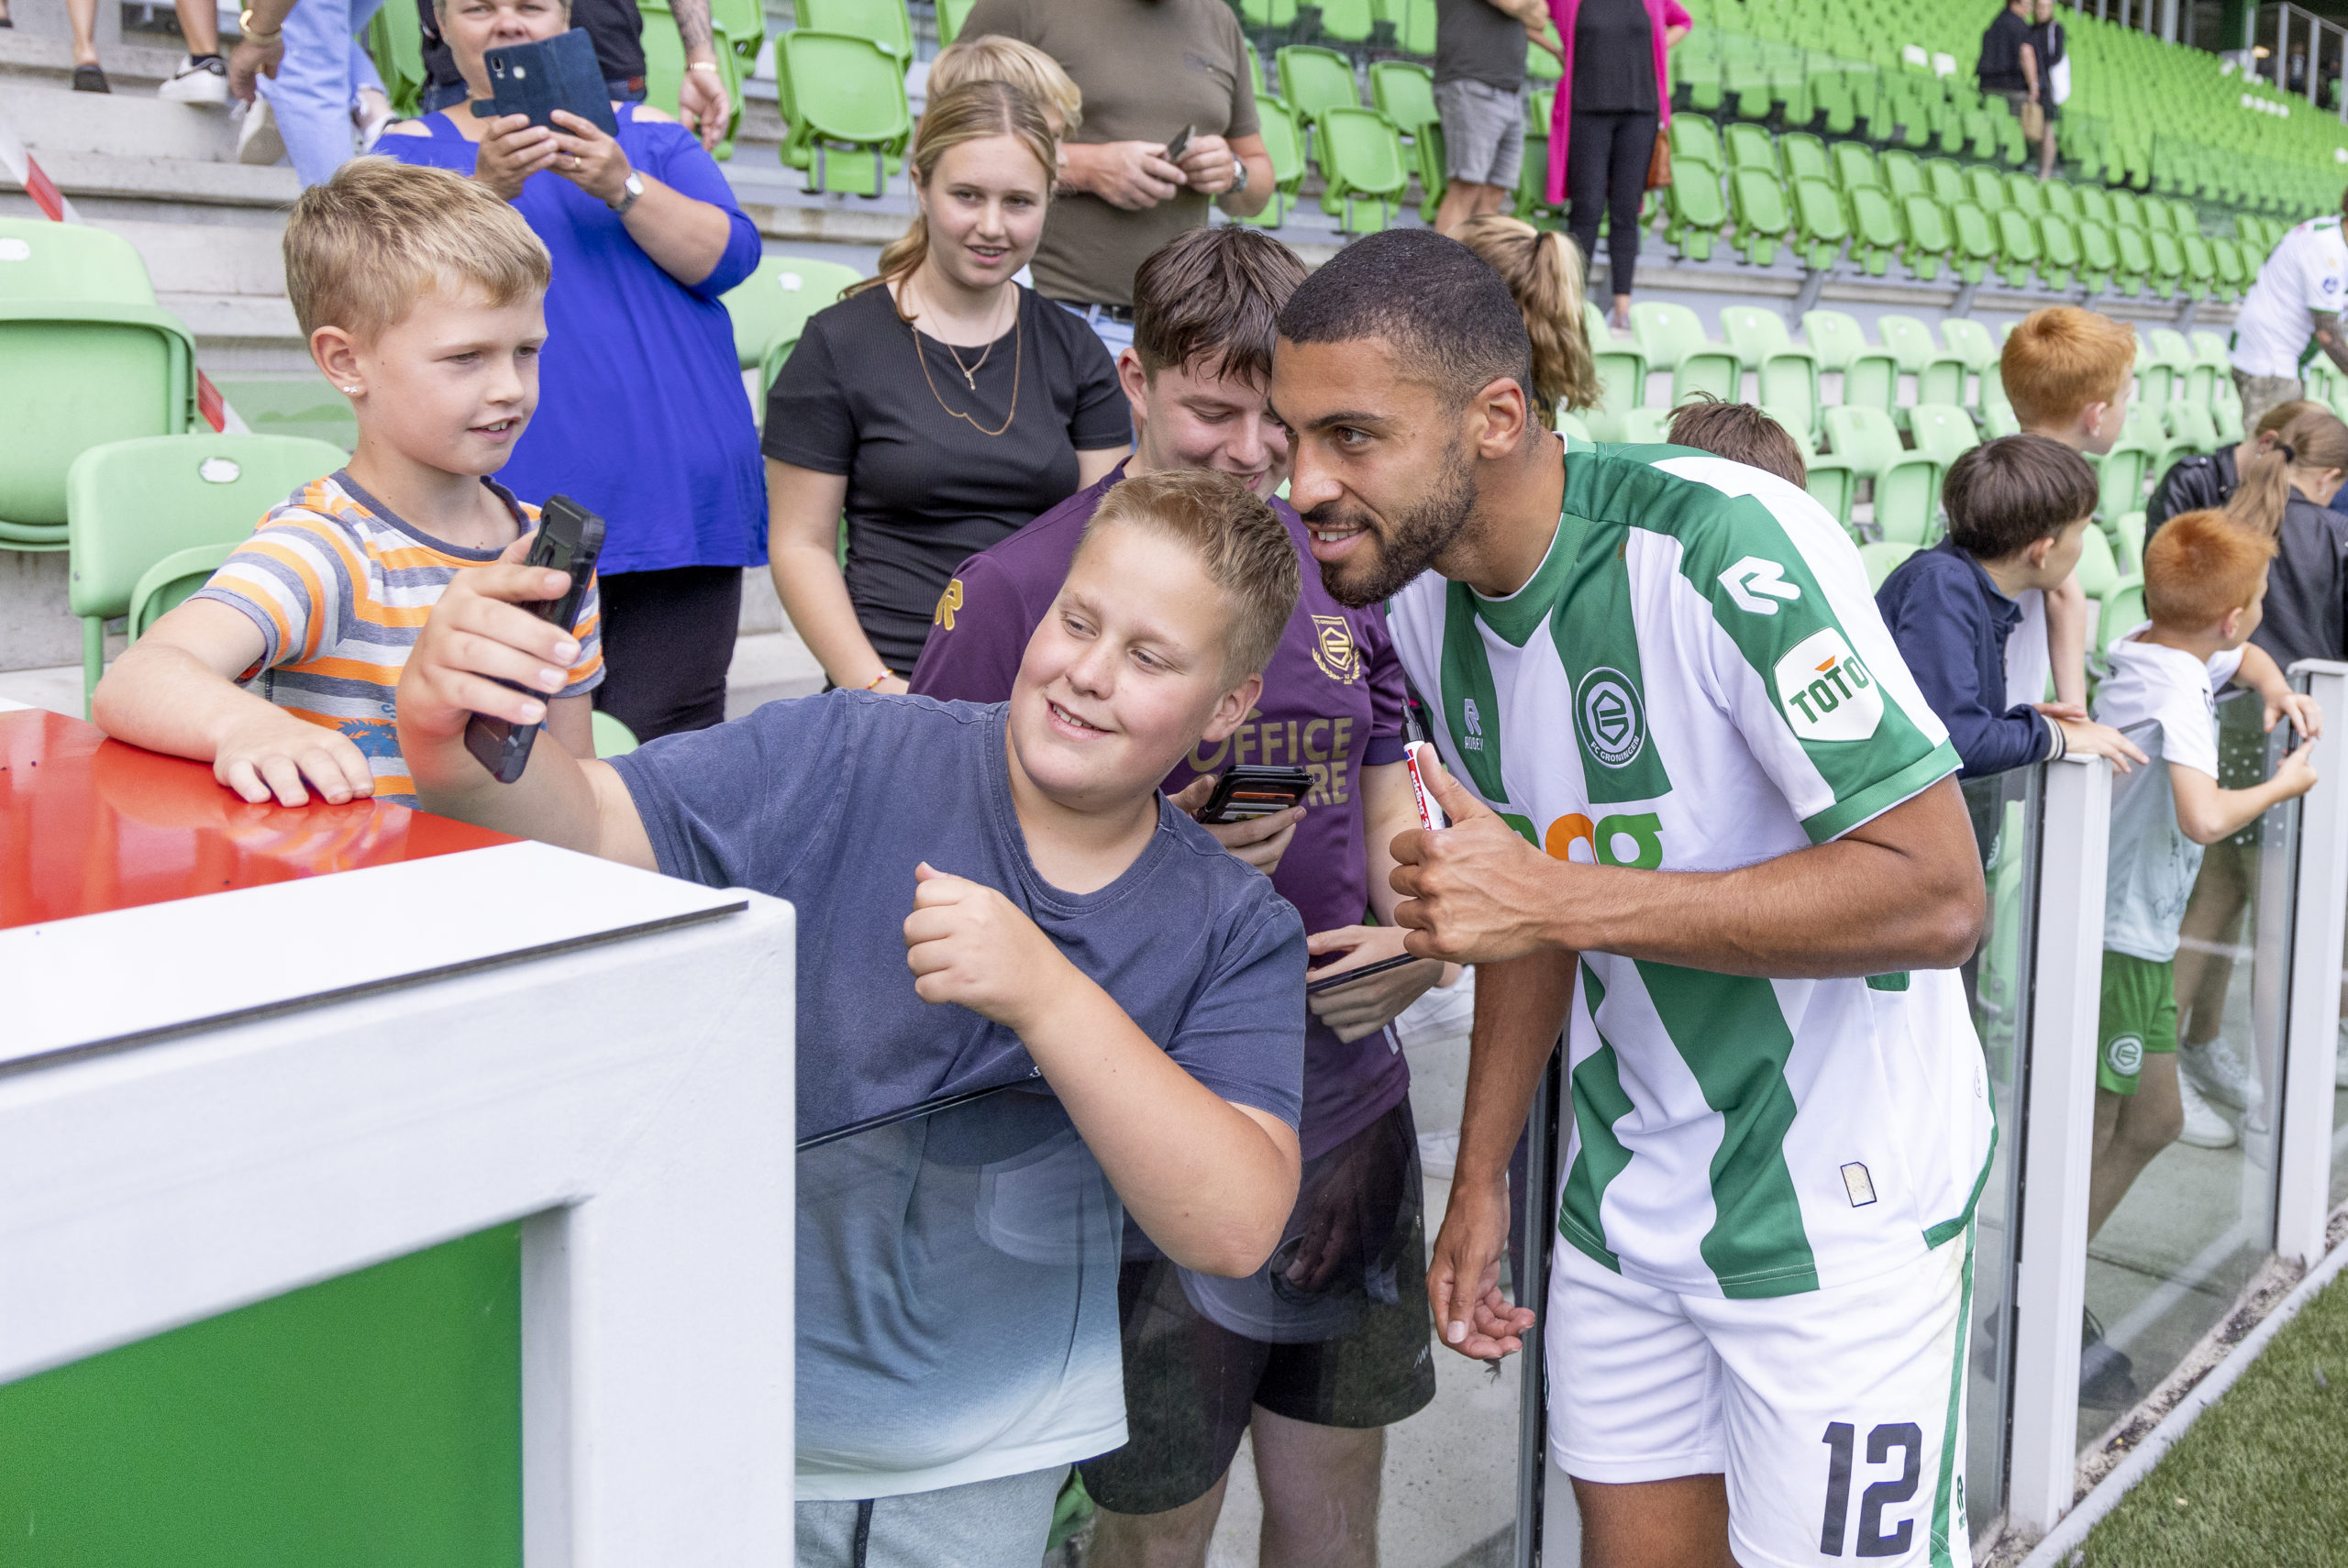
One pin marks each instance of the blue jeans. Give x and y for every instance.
(1115, 334)
(437, 97)
(317, 83)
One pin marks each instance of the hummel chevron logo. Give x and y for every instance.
(1752, 576)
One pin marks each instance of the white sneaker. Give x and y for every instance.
(2204, 1128)
(2217, 1070)
(1439, 1153)
(198, 81)
(257, 139)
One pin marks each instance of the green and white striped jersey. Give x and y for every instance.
(1696, 680)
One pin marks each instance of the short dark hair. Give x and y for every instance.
(1741, 433)
(1444, 313)
(1208, 299)
(2005, 495)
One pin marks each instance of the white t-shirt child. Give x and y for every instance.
(2166, 701)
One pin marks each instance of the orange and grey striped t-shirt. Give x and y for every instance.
(340, 586)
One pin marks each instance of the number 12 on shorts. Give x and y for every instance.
(1841, 1439)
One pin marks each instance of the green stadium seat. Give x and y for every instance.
(1669, 337)
(1970, 341)
(2121, 612)
(1804, 157)
(1622, 376)
(1348, 21)
(1943, 432)
(1927, 244)
(1313, 80)
(2126, 212)
(1404, 94)
(1284, 144)
(292, 405)
(395, 42)
(1750, 146)
(1985, 189)
(2024, 193)
(2017, 246)
(745, 22)
(89, 358)
(771, 305)
(2098, 571)
(2122, 475)
(1756, 206)
(2225, 411)
(2191, 433)
(884, 22)
(1945, 181)
(2134, 270)
(1532, 201)
(847, 96)
(1540, 65)
(1903, 176)
(1416, 30)
(1870, 374)
(2094, 203)
(1694, 211)
(1882, 558)
(2163, 355)
(1820, 223)
(1875, 228)
(1361, 160)
(1974, 241)
(1647, 427)
(1907, 484)
(133, 504)
(664, 74)
(1940, 375)
(2059, 200)
(951, 14)
(1267, 15)
(1855, 166)
(1693, 141)
(1786, 374)
(2058, 251)
(2207, 365)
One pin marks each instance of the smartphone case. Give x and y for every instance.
(535, 79)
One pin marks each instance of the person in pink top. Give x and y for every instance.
(1611, 103)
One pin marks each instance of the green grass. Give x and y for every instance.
(2262, 1478)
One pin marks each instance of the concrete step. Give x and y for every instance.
(51, 118)
(132, 66)
(104, 182)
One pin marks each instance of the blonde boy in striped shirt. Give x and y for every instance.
(421, 294)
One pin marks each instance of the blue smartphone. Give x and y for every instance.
(535, 79)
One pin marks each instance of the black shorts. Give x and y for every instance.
(1353, 1348)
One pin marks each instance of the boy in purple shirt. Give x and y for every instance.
(1319, 1350)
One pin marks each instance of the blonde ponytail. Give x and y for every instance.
(2309, 444)
(970, 110)
(1543, 272)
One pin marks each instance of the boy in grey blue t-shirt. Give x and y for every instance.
(1068, 935)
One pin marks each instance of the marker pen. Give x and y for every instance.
(1431, 813)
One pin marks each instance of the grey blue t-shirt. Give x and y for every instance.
(957, 1274)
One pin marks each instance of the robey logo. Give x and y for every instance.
(1825, 691)
(947, 602)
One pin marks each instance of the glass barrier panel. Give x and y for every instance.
(968, 1284)
(2005, 809)
(2181, 1201)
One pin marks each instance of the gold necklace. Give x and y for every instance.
(1018, 346)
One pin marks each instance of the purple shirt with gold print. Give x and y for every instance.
(1332, 705)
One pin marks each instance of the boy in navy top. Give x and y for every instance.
(1070, 936)
(2017, 507)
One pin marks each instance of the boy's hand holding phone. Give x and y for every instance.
(481, 634)
(1374, 1001)
(1259, 841)
(967, 944)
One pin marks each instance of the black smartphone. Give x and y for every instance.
(569, 538)
(1249, 791)
(1315, 985)
(1180, 145)
(535, 79)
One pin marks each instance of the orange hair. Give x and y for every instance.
(2200, 565)
(2062, 358)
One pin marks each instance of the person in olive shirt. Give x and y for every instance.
(1479, 95)
(1148, 69)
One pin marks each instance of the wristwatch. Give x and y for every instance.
(1239, 173)
(634, 186)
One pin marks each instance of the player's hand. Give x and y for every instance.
(2087, 738)
(273, 753)
(1259, 841)
(1476, 892)
(2304, 711)
(2296, 773)
(1471, 1315)
(511, 151)
(967, 944)
(703, 105)
(478, 635)
(1207, 164)
(1134, 175)
(589, 159)
(1366, 1006)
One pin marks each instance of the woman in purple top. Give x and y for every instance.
(1303, 1354)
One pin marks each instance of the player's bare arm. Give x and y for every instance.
(1520, 1011)
(2327, 336)
(1903, 891)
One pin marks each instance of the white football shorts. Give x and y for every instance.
(1837, 1416)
